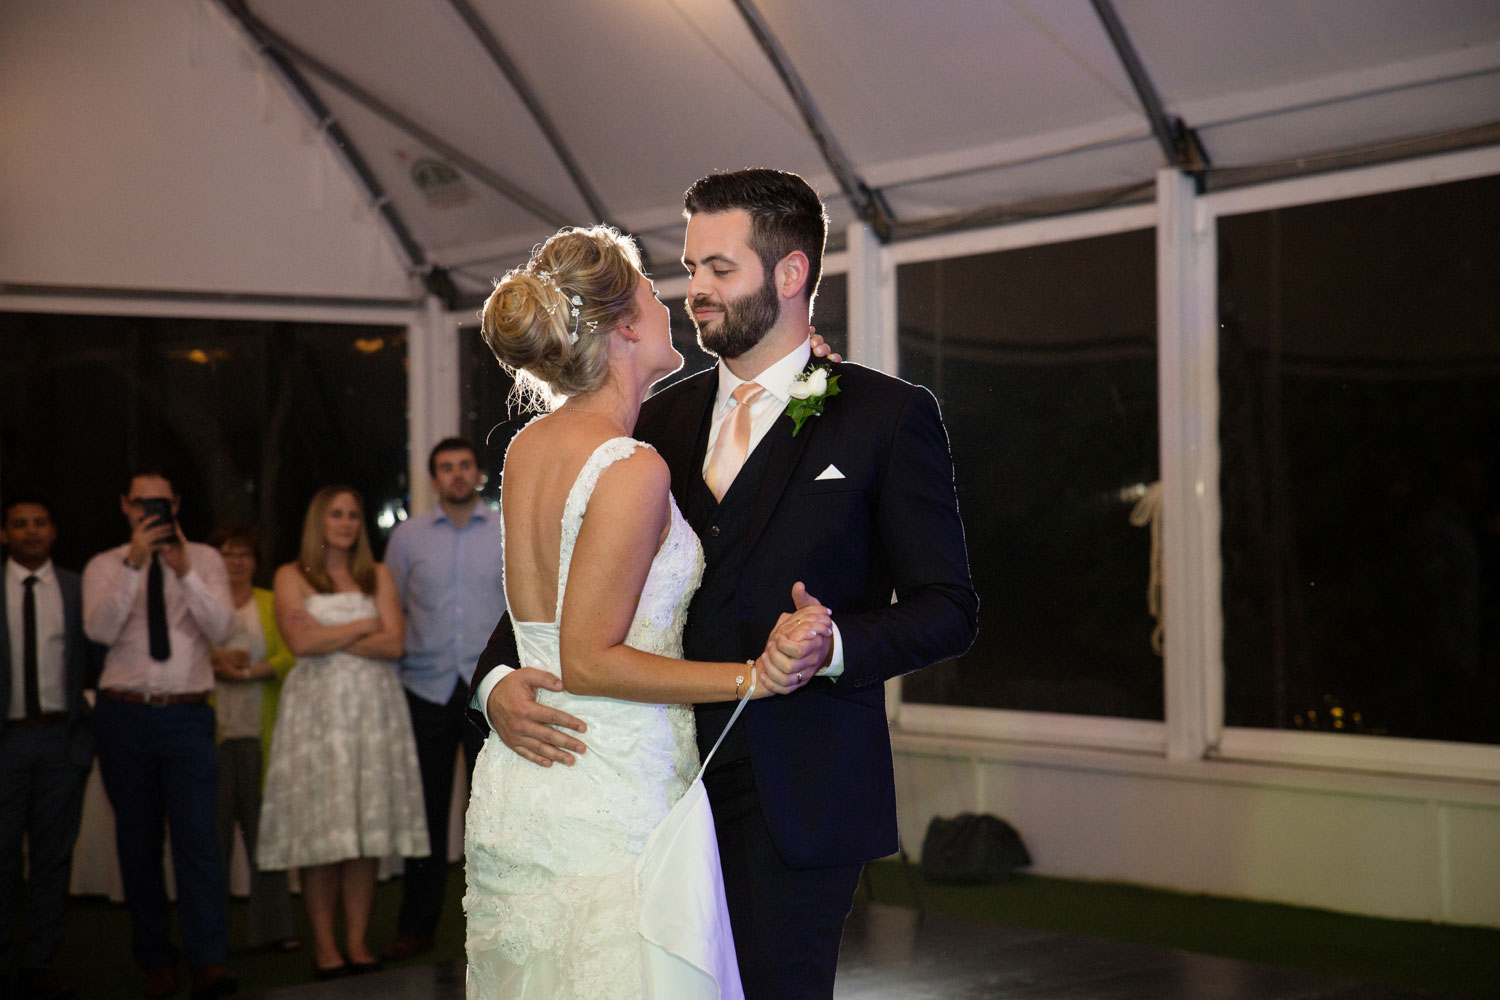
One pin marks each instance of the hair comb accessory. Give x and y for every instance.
(546, 278)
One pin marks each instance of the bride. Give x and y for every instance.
(600, 568)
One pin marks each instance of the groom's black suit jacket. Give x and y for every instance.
(822, 756)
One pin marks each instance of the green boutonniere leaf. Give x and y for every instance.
(809, 391)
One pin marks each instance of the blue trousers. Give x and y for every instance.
(160, 767)
(41, 800)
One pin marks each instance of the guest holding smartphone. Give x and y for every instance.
(159, 603)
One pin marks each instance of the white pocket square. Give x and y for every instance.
(832, 472)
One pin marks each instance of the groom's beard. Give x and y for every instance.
(743, 323)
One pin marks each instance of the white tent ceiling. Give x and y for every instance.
(945, 111)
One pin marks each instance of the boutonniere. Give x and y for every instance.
(809, 391)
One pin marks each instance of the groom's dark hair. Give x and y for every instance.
(786, 214)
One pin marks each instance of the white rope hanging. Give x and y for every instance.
(1147, 510)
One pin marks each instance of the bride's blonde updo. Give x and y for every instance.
(529, 319)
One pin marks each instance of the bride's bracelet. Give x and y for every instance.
(740, 680)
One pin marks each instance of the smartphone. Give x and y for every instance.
(158, 511)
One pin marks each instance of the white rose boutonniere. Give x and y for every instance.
(809, 391)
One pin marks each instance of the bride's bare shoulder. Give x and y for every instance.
(564, 430)
(563, 443)
(546, 440)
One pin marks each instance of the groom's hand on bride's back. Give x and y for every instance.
(529, 727)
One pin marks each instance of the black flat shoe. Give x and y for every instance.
(332, 972)
(363, 968)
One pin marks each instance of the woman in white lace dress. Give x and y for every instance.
(343, 788)
(600, 568)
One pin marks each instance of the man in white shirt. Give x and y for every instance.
(46, 739)
(159, 602)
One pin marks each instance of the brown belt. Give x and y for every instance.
(45, 719)
(153, 698)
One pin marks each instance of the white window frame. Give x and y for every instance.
(103, 304)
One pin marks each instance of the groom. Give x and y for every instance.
(859, 505)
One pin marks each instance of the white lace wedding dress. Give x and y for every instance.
(557, 904)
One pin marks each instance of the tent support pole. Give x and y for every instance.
(274, 42)
(869, 203)
(343, 146)
(507, 66)
(1178, 143)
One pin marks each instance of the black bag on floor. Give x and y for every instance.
(971, 849)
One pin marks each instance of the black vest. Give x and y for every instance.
(713, 629)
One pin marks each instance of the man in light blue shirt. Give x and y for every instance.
(449, 569)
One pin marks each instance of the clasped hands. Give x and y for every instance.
(798, 647)
(233, 665)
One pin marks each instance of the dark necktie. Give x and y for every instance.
(28, 647)
(156, 612)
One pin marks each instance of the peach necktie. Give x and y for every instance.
(733, 443)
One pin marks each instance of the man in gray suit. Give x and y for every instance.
(46, 740)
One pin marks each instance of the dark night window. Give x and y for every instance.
(1360, 429)
(253, 417)
(1044, 362)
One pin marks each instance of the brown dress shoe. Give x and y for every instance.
(213, 981)
(44, 984)
(160, 982)
(405, 947)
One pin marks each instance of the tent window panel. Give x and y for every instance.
(490, 418)
(1044, 362)
(251, 417)
(1360, 430)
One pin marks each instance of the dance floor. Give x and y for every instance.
(891, 954)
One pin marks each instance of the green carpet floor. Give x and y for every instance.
(1460, 961)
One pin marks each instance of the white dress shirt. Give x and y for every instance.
(765, 408)
(200, 612)
(51, 639)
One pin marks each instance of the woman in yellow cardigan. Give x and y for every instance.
(248, 671)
